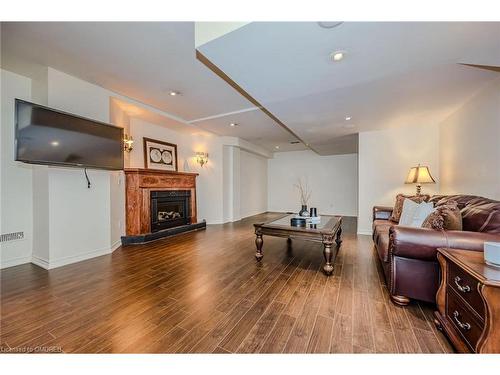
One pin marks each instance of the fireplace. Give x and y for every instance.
(159, 204)
(169, 208)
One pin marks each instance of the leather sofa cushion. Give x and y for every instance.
(381, 237)
(462, 200)
(482, 218)
(381, 227)
(383, 246)
(478, 214)
(377, 225)
(422, 243)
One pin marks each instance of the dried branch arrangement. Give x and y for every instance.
(304, 191)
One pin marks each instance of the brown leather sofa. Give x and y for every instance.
(408, 255)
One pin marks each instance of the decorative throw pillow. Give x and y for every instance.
(398, 206)
(444, 217)
(414, 214)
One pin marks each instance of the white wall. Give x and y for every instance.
(78, 217)
(41, 210)
(333, 181)
(470, 146)
(63, 221)
(16, 205)
(231, 183)
(210, 180)
(74, 95)
(81, 221)
(227, 191)
(253, 184)
(385, 157)
(236, 181)
(85, 99)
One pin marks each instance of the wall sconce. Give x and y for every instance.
(128, 143)
(202, 158)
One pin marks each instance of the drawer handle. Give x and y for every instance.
(464, 326)
(463, 289)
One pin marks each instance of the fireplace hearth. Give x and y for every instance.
(169, 209)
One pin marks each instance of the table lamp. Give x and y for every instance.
(419, 175)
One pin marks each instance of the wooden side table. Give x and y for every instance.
(468, 301)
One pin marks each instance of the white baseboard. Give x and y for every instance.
(235, 219)
(365, 232)
(217, 222)
(44, 263)
(15, 262)
(51, 264)
(77, 258)
(257, 213)
(115, 245)
(48, 265)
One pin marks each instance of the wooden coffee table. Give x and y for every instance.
(326, 232)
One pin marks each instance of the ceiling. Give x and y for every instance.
(264, 131)
(393, 74)
(143, 61)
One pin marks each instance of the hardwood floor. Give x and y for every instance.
(203, 292)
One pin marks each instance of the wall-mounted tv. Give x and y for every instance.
(48, 136)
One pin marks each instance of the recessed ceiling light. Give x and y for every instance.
(174, 93)
(348, 118)
(329, 25)
(54, 143)
(277, 147)
(233, 124)
(337, 55)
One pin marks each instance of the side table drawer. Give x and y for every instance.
(466, 287)
(463, 319)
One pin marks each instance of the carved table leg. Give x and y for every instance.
(327, 253)
(289, 245)
(258, 243)
(338, 239)
(437, 323)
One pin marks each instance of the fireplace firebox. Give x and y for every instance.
(170, 208)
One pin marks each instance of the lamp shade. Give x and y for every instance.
(419, 175)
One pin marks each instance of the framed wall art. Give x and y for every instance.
(160, 155)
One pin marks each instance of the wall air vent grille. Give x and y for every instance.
(294, 142)
(11, 236)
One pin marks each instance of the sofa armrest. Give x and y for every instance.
(382, 212)
(422, 243)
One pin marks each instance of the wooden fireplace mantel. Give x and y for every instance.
(138, 186)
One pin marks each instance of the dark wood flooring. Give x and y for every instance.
(204, 292)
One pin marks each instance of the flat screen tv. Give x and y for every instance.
(48, 136)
